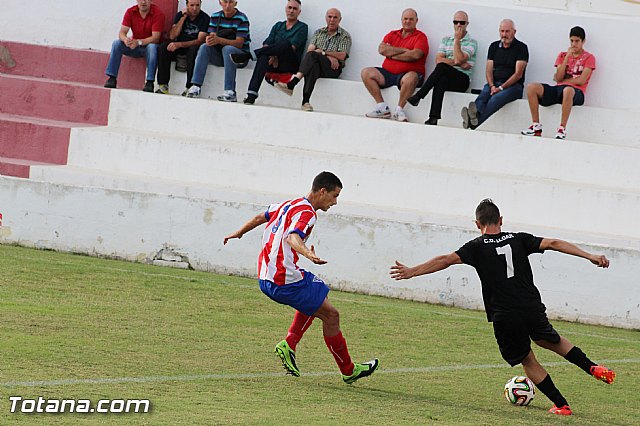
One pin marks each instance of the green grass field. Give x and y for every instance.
(199, 346)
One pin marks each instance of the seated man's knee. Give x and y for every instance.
(203, 49)
(366, 73)
(117, 45)
(410, 78)
(567, 93)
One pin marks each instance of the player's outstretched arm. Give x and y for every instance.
(438, 263)
(251, 224)
(566, 247)
(296, 243)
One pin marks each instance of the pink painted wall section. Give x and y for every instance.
(32, 97)
(30, 140)
(77, 65)
(13, 169)
(170, 8)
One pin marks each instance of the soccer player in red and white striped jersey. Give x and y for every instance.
(288, 226)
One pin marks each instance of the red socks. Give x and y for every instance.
(300, 324)
(338, 347)
(337, 344)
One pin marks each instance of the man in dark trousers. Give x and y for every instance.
(185, 37)
(281, 51)
(512, 301)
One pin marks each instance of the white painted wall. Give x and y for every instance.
(135, 226)
(611, 25)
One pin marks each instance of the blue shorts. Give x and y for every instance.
(305, 295)
(391, 79)
(553, 95)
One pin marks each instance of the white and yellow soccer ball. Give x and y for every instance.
(519, 390)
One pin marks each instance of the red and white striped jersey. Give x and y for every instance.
(278, 261)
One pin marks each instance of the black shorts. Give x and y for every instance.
(515, 332)
(391, 79)
(553, 95)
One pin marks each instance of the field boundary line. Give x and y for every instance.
(240, 376)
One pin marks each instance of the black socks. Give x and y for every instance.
(292, 83)
(577, 357)
(547, 387)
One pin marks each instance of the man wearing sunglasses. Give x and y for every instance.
(456, 56)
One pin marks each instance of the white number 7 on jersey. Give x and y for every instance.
(506, 250)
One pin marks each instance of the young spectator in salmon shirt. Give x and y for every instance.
(573, 72)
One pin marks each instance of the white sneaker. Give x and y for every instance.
(400, 116)
(561, 134)
(379, 113)
(193, 92)
(228, 96)
(534, 130)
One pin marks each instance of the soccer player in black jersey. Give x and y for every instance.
(512, 301)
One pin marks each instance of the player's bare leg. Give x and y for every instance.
(575, 355)
(539, 376)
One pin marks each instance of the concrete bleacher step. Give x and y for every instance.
(35, 139)
(55, 100)
(77, 65)
(17, 167)
(78, 176)
(434, 186)
(508, 154)
(587, 123)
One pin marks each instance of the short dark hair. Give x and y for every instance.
(577, 32)
(487, 213)
(326, 180)
(297, 1)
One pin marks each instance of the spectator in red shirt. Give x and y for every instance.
(405, 51)
(146, 21)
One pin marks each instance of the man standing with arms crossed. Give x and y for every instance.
(512, 301)
(288, 227)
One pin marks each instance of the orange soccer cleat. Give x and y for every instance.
(561, 411)
(601, 372)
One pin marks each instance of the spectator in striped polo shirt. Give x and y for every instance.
(455, 59)
(228, 35)
(326, 56)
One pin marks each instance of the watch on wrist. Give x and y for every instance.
(139, 42)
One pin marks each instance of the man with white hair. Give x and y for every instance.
(326, 55)
(506, 62)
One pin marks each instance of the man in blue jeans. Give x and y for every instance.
(228, 35)
(146, 21)
(506, 63)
